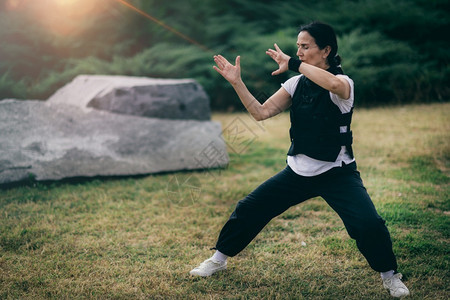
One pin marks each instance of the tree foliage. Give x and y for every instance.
(395, 50)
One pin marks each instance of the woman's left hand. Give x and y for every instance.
(280, 58)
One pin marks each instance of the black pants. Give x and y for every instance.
(342, 188)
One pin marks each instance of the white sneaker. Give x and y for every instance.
(395, 286)
(209, 267)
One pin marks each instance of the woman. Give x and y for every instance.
(320, 159)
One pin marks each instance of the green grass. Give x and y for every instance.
(129, 238)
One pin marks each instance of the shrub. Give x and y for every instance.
(10, 88)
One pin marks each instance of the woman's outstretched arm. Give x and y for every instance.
(276, 104)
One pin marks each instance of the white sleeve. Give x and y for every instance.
(291, 84)
(345, 105)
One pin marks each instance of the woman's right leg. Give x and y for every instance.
(267, 201)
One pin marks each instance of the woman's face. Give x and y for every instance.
(309, 52)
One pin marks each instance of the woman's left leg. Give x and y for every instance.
(345, 193)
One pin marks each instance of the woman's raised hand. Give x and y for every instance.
(280, 58)
(231, 73)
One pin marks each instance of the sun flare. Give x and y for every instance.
(61, 17)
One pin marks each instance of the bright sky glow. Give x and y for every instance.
(68, 17)
(66, 2)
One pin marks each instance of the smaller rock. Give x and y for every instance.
(181, 99)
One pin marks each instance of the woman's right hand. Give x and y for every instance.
(231, 73)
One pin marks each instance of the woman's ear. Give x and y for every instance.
(326, 51)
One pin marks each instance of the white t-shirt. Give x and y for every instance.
(305, 165)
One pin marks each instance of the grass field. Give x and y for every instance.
(137, 238)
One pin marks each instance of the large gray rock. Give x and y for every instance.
(48, 141)
(157, 98)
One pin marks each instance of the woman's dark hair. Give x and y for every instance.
(324, 36)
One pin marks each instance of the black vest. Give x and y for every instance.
(316, 122)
